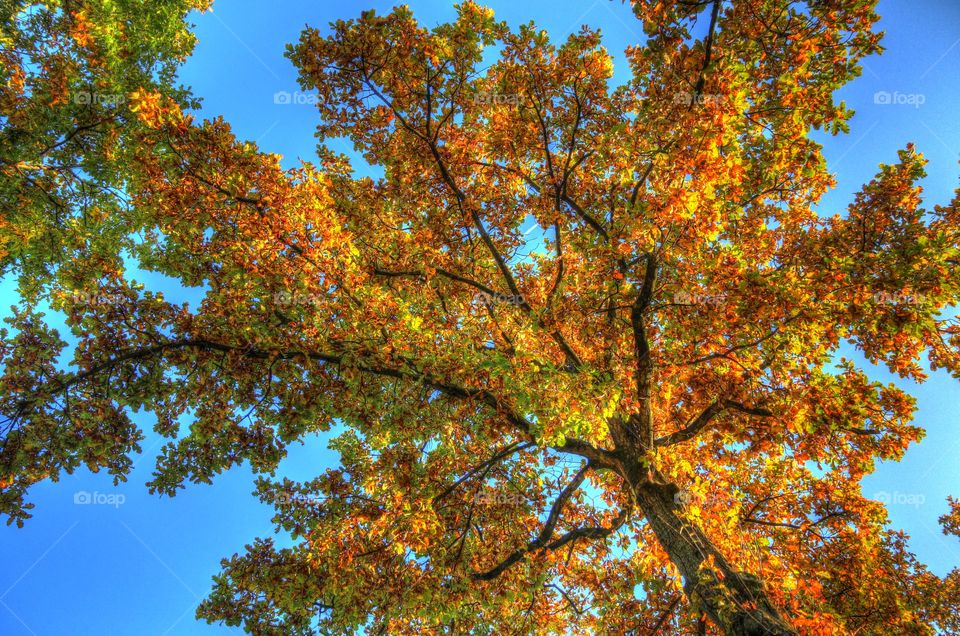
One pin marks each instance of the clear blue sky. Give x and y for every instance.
(142, 566)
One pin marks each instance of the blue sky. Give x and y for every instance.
(141, 566)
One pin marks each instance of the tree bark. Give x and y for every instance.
(734, 601)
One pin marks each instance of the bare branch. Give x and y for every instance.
(543, 543)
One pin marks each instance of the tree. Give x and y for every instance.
(69, 69)
(637, 419)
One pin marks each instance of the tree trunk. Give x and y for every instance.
(734, 601)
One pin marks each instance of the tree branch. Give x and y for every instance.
(543, 543)
(701, 421)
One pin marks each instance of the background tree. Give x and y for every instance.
(646, 395)
(69, 70)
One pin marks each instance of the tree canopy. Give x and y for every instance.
(637, 418)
